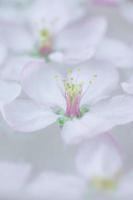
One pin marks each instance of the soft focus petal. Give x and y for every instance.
(26, 116)
(102, 117)
(116, 111)
(43, 84)
(99, 157)
(13, 177)
(15, 37)
(80, 40)
(9, 90)
(99, 81)
(50, 185)
(53, 15)
(116, 52)
(14, 66)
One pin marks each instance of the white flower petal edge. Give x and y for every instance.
(102, 117)
(52, 185)
(26, 116)
(14, 66)
(116, 52)
(99, 157)
(39, 81)
(54, 16)
(13, 177)
(9, 90)
(82, 46)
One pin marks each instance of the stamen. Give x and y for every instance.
(106, 184)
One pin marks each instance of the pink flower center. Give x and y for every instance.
(73, 93)
(46, 43)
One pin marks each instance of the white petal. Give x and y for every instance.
(125, 189)
(116, 111)
(99, 157)
(102, 117)
(77, 130)
(43, 84)
(50, 185)
(26, 116)
(80, 40)
(15, 37)
(9, 91)
(126, 9)
(14, 66)
(54, 16)
(13, 177)
(116, 52)
(99, 80)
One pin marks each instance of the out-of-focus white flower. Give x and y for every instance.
(55, 14)
(74, 100)
(99, 163)
(57, 186)
(13, 178)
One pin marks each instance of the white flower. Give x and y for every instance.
(60, 43)
(13, 178)
(99, 164)
(76, 101)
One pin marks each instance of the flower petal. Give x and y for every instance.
(80, 40)
(54, 16)
(26, 116)
(99, 157)
(43, 84)
(13, 177)
(15, 37)
(14, 66)
(99, 80)
(8, 91)
(116, 52)
(51, 185)
(102, 117)
(125, 188)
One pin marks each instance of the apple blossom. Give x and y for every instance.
(78, 100)
(99, 164)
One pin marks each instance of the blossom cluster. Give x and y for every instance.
(59, 65)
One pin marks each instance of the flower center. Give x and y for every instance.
(104, 184)
(45, 46)
(73, 92)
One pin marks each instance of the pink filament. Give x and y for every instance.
(73, 107)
